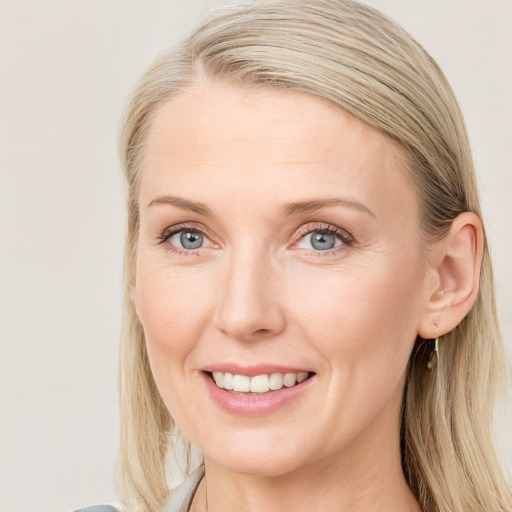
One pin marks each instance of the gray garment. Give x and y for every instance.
(179, 499)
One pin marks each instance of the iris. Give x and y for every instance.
(322, 241)
(191, 239)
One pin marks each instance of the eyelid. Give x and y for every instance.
(344, 235)
(170, 231)
(346, 238)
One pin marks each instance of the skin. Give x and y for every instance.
(257, 292)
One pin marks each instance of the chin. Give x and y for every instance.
(257, 457)
(264, 465)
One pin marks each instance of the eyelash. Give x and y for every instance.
(346, 238)
(179, 228)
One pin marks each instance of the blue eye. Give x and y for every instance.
(187, 239)
(321, 240)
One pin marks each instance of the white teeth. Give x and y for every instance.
(241, 383)
(289, 379)
(258, 383)
(300, 377)
(228, 381)
(218, 377)
(276, 381)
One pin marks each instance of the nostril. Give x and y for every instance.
(260, 332)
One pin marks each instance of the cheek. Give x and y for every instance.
(170, 303)
(172, 310)
(363, 317)
(171, 307)
(363, 328)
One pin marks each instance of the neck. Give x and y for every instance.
(366, 479)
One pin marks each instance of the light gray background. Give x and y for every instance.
(65, 70)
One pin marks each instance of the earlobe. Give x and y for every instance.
(457, 261)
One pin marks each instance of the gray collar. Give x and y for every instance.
(180, 498)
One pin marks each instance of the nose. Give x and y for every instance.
(249, 305)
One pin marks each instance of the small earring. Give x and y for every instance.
(434, 355)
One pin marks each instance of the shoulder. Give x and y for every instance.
(99, 508)
(179, 499)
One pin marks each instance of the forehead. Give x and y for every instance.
(284, 142)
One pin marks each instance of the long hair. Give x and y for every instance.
(363, 62)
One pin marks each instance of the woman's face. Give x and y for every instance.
(278, 235)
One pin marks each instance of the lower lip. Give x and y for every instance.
(247, 404)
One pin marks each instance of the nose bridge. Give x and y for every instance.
(248, 306)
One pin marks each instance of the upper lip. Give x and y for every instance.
(253, 370)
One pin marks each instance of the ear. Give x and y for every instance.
(455, 261)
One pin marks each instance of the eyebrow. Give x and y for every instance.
(179, 202)
(287, 209)
(316, 204)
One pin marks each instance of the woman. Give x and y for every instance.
(309, 295)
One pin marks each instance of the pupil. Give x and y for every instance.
(323, 241)
(191, 240)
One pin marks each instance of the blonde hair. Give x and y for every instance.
(366, 64)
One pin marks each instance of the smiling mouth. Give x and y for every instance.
(258, 384)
